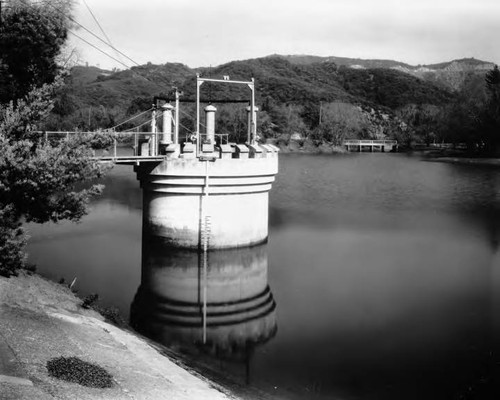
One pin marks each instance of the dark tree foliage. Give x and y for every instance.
(12, 241)
(493, 82)
(490, 121)
(390, 88)
(474, 117)
(31, 38)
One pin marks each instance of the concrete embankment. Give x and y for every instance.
(41, 320)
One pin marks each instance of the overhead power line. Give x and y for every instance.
(97, 48)
(101, 40)
(144, 123)
(104, 52)
(131, 118)
(93, 34)
(100, 27)
(97, 22)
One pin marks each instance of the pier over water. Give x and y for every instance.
(361, 145)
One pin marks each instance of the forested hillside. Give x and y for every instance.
(451, 75)
(304, 96)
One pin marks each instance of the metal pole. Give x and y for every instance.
(205, 248)
(251, 140)
(136, 143)
(198, 84)
(153, 136)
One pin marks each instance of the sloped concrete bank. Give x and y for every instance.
(41, 320)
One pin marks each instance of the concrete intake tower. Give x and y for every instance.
(206, 192)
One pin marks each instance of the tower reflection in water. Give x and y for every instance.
(240, 315)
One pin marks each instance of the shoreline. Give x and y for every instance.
(43, 320)
(430, 154)
(479, 161)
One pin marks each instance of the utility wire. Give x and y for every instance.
(107, 44)
(131, 118)
(186, 128)
(93, 34)
(97, 22)
(76, 35)
(103, 41)
(191, 117)
(107, 54)
(97, 48)
(99, 25)
(144, 123)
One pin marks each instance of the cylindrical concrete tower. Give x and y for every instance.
(209, 196)
(210, 122)
(226, 199)
(166, 137)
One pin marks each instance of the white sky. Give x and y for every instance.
(203, 33)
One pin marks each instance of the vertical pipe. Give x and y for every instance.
(152, 145)
(166, 136)
(252, 122)
(176, 128)
(206, 231)
(205, 281)
(210, 122)
(251, 139)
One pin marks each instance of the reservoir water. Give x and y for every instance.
(380, 280)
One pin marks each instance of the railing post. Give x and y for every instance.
(114, 145)
(136, 144)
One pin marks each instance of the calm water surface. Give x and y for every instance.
(381, 279)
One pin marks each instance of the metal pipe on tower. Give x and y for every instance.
(166, 137)
(252, 123)
(210, 123)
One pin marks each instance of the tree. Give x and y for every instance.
(491, 116)
(493, 82)
(41, 179)
(461, 122)
(31, 38)
(339, 121)
(421, 123)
